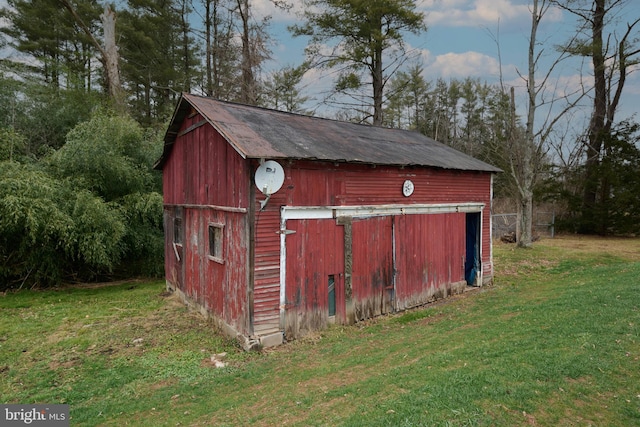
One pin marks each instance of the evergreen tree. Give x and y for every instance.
(281, 90)
(45, 31)
(409, 100)
(158, 56)
(365, 34)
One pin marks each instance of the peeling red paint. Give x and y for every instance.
(382, 257)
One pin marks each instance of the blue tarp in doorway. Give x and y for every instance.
(472, 258)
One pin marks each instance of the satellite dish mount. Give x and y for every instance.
(269, 178)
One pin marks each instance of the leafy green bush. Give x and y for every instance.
(94, 208)
(49, 230)
(12, 144)
(98, 229)
(144, 238)
(111, 155)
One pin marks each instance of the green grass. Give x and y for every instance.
(556, 341)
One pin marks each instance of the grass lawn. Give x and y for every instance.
(554, 342)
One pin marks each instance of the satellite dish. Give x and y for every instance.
(269, 177)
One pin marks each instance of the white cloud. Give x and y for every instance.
(442, 4)
(262, 8)
(473, 13)
(633, 80)
(461, 65)
(569, 85)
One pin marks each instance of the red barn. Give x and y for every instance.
(278, 224)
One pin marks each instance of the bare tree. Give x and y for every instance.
(236, 45)
(611, 55)
(254, 51)
(222, 54)
(525, 154)
(248, 93)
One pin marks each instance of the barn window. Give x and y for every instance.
(332, 295)
(215, 242)
(177, 231)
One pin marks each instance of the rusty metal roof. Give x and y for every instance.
(261, 133)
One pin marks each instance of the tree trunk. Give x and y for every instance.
(247, 94)
(526, 174)
(186, 53)
(109, 53)
(111, 57)
(377, 78)
(525, 220)
(378, 88)
(596, 125)
(208, 49)
(215, 52)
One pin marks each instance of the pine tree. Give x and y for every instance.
(158, 56)
(364, 33)
(46, 32)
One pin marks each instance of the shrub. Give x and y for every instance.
(49, 230)
(94, 208)
(109, 155)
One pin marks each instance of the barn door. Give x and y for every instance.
(372, 270)
(314, 291)
(429, 256)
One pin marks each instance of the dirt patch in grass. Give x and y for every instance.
(98, 285)
(525, 266)
(163, 384)
(326, 394)
(625, 248)
(67, 364)
(431, 319)
(575, 411)
(511, 315)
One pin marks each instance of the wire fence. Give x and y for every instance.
(504, 224)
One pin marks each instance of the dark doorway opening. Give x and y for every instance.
(472, 264)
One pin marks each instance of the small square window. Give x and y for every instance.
(332, 295)
(177, 231)
(215, 241)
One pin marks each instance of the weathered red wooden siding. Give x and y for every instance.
(266, 297)
(203, 169)
(206, 180)
(314, 252)
(326, 184)
(429, 248)
(372, 269)
(339, 184)
(430, 252)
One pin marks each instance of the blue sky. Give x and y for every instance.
(460, 42)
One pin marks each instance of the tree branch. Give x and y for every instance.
(67, 5)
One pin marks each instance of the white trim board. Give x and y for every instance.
(327, 212)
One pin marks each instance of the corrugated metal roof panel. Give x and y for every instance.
(262, 133)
